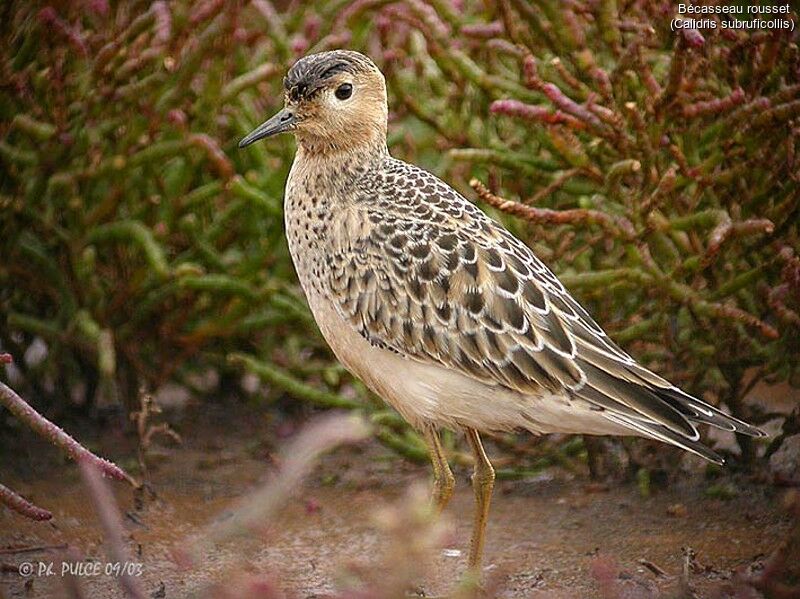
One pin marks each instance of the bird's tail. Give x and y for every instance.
(659, 412)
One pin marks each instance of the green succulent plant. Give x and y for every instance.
(655, 171)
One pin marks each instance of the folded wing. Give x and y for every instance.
(434, 279)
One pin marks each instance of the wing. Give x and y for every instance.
(433, 278)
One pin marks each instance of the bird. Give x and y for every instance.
(437, 307)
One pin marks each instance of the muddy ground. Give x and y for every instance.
(544, 534)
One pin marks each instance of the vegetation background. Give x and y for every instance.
(656, 171)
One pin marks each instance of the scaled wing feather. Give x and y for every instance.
(434, 279)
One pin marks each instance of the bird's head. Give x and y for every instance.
(332, 100)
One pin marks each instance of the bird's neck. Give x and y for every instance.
(338, 153)
(319, 168)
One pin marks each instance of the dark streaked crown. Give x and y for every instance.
(308, 75)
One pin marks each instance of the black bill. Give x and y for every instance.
(281, 122)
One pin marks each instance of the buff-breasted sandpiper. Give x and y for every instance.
(437, 307)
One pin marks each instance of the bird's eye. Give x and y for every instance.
(344, 91)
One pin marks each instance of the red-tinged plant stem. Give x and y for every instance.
(163, 23)
(19, 504)
(716, 106)
(775, 299)
(49, 17)
(532, 112)
(53, 433)
(727, 229)
(617, 226)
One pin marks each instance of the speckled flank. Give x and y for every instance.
(436, 306)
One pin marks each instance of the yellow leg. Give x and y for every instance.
(483, 484)
(443, 479)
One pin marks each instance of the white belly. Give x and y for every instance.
(426, 393)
